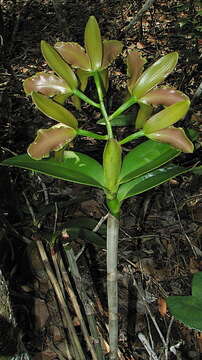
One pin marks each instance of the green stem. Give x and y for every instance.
(123, 107)
(91, 134)
(131, 137)
(112, 286)
(85, 98)
(102, 106)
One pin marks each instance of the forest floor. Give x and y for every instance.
(161, 230)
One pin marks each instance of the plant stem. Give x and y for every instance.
(85, 98)
(112, 287)
(123, 107)
(91, 134)
(131, 137)
(102, 106)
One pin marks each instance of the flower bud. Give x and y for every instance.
(112, 165)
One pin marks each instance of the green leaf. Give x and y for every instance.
(54, 110)
(93, 43)
(146, 157)
(76, 167)
(188, 309)
(58, 65)
(149, 181)
(155, 74)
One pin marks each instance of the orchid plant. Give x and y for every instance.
(120, 176)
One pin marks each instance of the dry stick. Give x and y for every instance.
(197, 94)
(87, 303)
(145, 7)
(149, 311)
(167, 337)
(73, 298)
(147, 346)
(66, 318)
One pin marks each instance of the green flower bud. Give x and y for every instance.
(112, 165)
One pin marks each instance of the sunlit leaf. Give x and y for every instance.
(166, 117)
(145, 157)
(93, 43)
(54, 110)
(175, 137)
(149, 181)
(76, 167)
(164, 96)
(74, 54)
(155, 74)
(52, 139)
(58, 65)
(47, 84)
(135, 66)
(111, 49)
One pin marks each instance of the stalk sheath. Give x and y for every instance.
(112, 287)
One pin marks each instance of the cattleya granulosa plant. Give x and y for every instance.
(145, 165)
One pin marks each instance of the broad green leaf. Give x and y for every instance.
(74, 54)
(155, 74)
(135, 66)
(146, 157)
(93, 43)
(52, 139)
(111, 49)
(47, 84)
(58, 65)
(166, 117)
(175, 137)
(149, 181)
(54, 110)
(76, 167)
(188, 309)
